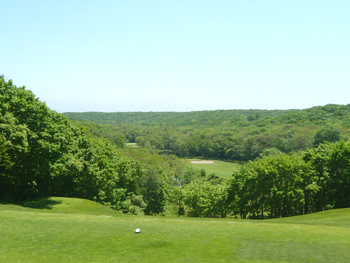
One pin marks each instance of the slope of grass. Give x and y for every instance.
(63, 205)
(83, 231)
(220, 168)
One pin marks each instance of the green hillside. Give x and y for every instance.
(239, 135)
(84, 231)
(65, 205)
(321, 115)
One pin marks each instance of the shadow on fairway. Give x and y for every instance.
(40, 203)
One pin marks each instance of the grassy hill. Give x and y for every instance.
(50, 230)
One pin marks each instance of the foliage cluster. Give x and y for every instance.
(331, 114)
(42, 153)
(274, 185)
(224, 134)
(286, 185)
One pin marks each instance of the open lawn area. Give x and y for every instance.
(82, 231)
(132, 144)
(220, 168)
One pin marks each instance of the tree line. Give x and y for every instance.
(230, 143)
(296, 184)
(239, 135)
(328, 115)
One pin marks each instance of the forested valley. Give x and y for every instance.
(293, 161)
(240, 135)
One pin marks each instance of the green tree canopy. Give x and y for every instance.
(327, 134)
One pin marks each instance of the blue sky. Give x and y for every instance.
(178, 55)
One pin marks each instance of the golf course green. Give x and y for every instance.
(77, 230)
(220, 168)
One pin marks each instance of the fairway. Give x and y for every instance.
(220, 168)
(83, 231)
(132, 144)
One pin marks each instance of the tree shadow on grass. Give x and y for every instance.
(259, 217)
(40, 203)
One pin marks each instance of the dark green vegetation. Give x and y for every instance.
(43, 153)
(49, 230)
(286, 185)
(224, 134)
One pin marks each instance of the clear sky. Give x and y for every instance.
(182, 55)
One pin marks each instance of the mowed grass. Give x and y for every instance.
(132, 144)
(220, 168)
(83, 231)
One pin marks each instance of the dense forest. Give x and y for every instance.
(43, 154)
(297, 161)
(240, 135)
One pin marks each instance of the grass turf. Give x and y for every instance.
(49, 230)
(132, 144)
(220, 168)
